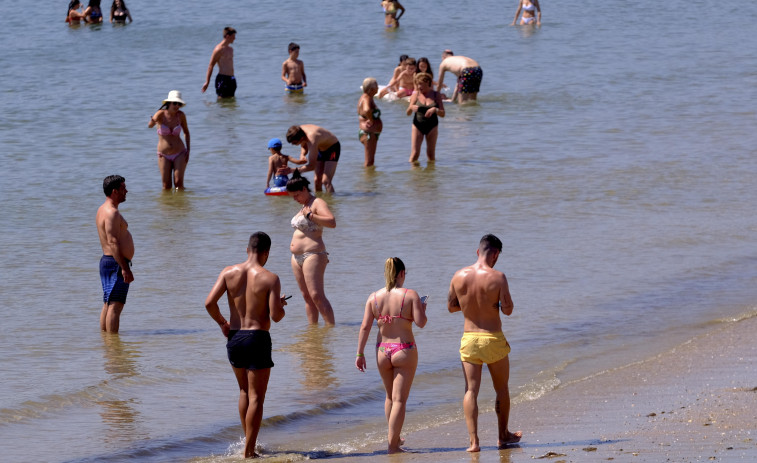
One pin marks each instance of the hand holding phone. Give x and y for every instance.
(424, 299)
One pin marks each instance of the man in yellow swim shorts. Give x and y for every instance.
(480, 292)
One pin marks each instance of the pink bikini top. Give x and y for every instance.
(164, 130)
(387, 319)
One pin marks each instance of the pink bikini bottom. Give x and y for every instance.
(171, 157)
(391, 348)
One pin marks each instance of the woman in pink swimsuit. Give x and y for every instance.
(173, 156)
(395, 308)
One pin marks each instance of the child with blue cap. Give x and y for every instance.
(277, 164)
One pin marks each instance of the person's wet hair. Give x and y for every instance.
(410, 61)
(298, 182)
(295, 134)
(428, 66)
(72, 6)
(228, 30)
(402, 59)
(112, 182)
(293, 46)
(94, 3)
(114, 6)
(392, 267)
(259, 242)
(490, 242)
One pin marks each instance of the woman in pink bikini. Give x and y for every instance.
(395, 308)
(173, 156)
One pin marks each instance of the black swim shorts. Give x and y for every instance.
(331, 154)
(225, 86)
(250, 349)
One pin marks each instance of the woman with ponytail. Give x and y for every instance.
(395, 308)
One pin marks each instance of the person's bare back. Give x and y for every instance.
(252, 292)
(479, 291)
(250, 288)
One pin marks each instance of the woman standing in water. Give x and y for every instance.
(119, 13)
(309, 256)
(391, 18)
(369, 116)
(396, 309)
(427, 105)
(173, 156)
(531, 12)
(93, 14)
(74, 16)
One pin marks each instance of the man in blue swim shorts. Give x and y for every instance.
(321, 149)
(468, 72)
(254, 300)
(118, 250)
(223, 56)
(481, 292)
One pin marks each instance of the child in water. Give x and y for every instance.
(277, 164)
(293, 71)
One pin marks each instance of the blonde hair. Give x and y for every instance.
(423, 77)
(392, 268)
(369, 82)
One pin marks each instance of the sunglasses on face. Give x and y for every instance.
(176, 103)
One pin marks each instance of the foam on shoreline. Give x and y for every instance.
(696, 402)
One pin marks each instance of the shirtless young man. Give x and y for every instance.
(118, 250)
(480, 292)
(223, 56)
(293, 71)
(254, 300)
(468, 72)
(320, 148)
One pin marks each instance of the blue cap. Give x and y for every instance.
(274, 143)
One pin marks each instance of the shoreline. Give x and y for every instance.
(696, 402)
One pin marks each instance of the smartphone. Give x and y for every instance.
(424, 298)
(287, 297)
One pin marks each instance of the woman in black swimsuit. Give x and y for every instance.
(427, 105)
(119, 13)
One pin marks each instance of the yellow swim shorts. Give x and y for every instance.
(480, 348)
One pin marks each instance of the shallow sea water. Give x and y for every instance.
(612, 152)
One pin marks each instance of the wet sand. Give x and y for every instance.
(697, 402)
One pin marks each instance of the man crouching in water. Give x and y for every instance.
(254, 300)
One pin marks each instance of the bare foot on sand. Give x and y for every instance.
(512, 438)
(397, 450)
(473, 448)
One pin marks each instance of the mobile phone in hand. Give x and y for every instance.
(424, 298)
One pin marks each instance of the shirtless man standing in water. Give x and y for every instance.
(223, 55)
(118, 250)
(480, 292)
(254, 300)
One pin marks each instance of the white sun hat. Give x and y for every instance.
(174, 95)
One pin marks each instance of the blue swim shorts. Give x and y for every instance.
(114, 286)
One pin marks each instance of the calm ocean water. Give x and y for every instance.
(612, 150)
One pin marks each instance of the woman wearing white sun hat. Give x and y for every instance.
(173, 155)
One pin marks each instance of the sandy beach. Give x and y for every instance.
(697, 402)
